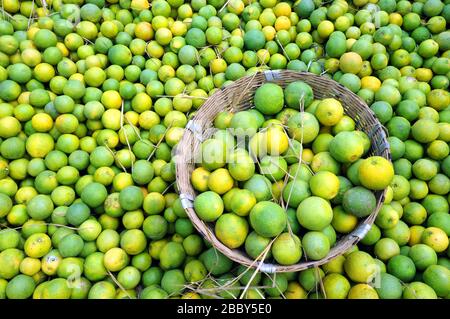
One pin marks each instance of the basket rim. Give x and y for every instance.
(188, 194)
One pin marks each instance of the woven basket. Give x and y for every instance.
(238, 96)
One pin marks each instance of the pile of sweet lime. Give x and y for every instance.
(255, 162)
(95, 94)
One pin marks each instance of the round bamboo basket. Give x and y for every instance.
(238, 96)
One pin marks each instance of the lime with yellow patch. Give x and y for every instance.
(303, 127)
(324, 184)
(208, 206)
(362, 291)
(115, 259)
(436, 238)
(346, 147)
(351, 62)
(10, 259)
(342, 221)
(287, 249)
(277, 140)
(329, 112)
(336, 286)
(199, 179)
(376, 173)
(242, 202)
(220, 181)
(360, 267)
(37, 245)
(38, 145)
(231, 230)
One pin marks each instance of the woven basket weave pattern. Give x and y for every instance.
(237, 97)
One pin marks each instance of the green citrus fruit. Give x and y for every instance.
(231, 230)
(360, 267)
(287, 249)
(316, 245)
(359, 201)
(268, 219)
(269, 106)
(314, 213)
